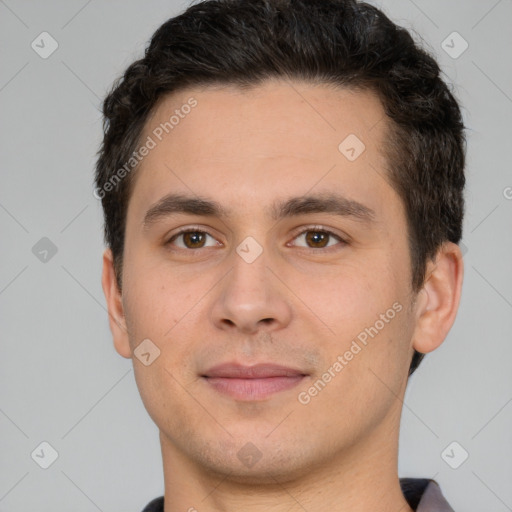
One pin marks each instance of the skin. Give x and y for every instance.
(299, 304)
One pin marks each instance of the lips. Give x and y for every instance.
(249, 383)
(259, 371)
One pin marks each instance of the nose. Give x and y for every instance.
(251, 298)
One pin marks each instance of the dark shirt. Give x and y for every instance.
(422, 494)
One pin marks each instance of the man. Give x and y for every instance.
(282, 183)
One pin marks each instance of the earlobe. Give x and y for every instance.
(438, 301)
(115, 308)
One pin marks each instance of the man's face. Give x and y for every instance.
(261, 286)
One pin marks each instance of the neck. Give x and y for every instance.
(361, 478)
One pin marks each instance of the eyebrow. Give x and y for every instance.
(321, 203)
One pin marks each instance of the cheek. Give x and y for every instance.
(374, 360)
(165, 397)
(168, 312)
(154, 299)
(156, 311)
(367, 311)
(351, 297)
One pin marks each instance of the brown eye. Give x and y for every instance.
(318, 239)
(191, 239)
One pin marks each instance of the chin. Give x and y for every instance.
(250, 465)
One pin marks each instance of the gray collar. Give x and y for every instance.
(433, 500)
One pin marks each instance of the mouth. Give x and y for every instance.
(252, 383)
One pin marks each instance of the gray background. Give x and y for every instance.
(61, 380)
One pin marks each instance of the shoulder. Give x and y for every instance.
(156, 505)
(424, 495)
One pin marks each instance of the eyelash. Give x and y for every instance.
(314, 229)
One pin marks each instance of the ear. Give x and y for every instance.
(438, 300)
(116, 316)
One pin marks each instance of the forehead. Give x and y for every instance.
(277, 138)
(310, 117)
